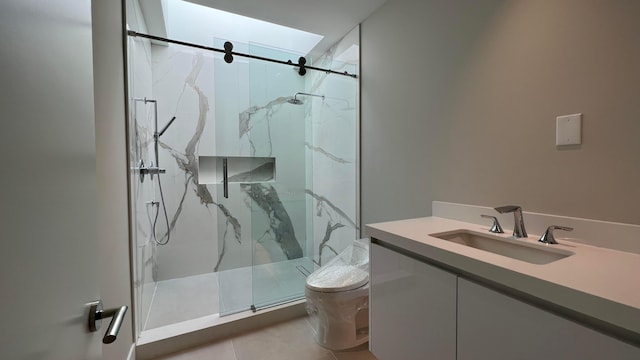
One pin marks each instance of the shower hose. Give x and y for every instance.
(166, 218)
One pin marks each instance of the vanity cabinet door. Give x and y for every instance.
(493, 326)
(413, 308)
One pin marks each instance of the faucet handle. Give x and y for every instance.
(495, 228)
(548, 237)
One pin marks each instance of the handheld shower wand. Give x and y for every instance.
(166, 126)
(156, 138)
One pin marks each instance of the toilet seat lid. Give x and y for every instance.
(337, 278)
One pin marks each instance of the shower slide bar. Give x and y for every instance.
(228, 57)
(155, 170)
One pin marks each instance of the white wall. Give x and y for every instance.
(49, 256)
(111, 169)
(459, 101)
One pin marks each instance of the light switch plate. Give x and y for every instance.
(569, 130)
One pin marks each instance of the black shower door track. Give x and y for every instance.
(229, 53)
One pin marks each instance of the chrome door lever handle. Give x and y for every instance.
(97, 313)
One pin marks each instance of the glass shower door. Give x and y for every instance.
(282, 210)
(261, 172)
(233, 234)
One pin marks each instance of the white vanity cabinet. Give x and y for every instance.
(419, 311)
(413, 308)
(434, 297)
(492, 325)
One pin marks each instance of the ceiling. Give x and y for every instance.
(332, 19)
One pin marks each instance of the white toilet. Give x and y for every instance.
(338, 298)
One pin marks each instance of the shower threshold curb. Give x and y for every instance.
(191, 333)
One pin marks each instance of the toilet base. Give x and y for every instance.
(341, 320)
(341, 335)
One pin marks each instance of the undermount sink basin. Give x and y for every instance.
(509, 247)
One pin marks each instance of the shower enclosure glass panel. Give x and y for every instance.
(264, 254)
(281, 213)
(233, 217)
(143, 197)
(334, 153)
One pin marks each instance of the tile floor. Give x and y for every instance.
(290, 340)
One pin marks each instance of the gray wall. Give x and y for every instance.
(111, 169)
(459, 101)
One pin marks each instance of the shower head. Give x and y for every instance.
(295, 101)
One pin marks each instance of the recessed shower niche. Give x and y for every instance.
(243, 239)
(236, 169)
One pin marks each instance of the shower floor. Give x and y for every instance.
(183, 299)
(192, 297)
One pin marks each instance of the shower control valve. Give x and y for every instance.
(149, 170)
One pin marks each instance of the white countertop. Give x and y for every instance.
(601, 283)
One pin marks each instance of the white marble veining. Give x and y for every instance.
(333, 162)
(183, 87)
(335, 130)
(307, 212)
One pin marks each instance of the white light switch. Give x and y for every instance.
(569, 129)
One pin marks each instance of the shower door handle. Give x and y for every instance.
(97, 313)
(225, 178)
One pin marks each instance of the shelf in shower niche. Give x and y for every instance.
(240, 169)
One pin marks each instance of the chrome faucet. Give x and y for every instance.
(518, 226)
(548, 237)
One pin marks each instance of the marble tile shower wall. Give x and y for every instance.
(182, 81)
(335, 132)
(254, 119)
(183, 84)
(184, 87)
